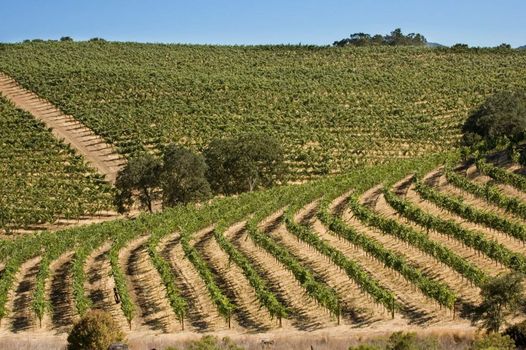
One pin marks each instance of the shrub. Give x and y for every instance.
(493, 341)
(365, 347)
(409, 341)
(95, 331)
(209, 342)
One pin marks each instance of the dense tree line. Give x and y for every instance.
(227, 166)
(395, 38)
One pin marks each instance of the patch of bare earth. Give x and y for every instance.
(20, 315)
(59, 291)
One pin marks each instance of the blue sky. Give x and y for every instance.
(475, 22)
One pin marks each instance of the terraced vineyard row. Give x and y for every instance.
(248, 264)
(311, 98)
(41, 178)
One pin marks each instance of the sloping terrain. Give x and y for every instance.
(394, 102)
(245, 251)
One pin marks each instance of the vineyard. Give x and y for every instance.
(41, 178)
(332, 108)
(409, 242)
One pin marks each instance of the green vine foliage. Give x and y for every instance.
(433, 289)
(472, 239)
(488, 192)
(414, 237)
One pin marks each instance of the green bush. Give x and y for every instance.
(95, 331)
(409, 341)
(209, 342)
(365, 347)
(493, 341)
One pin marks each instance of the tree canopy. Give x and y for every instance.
(501, 297)
(502, 117)
(244, 163)
(395, 38)
(140, 176)
(177, 178)
(183, 176)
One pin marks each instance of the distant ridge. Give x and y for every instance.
(523, 47)
(434, 45)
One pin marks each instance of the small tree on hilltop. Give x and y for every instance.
(244, 164)
(501, 117)
(183, 177)
(502, 296)
(141, 176)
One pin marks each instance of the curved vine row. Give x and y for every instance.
(225, 307)
(265, 296)
(488, 192)
(418, 239)
(472, 239)
(501, 175)
(127, 306)
(465, 211)
(177, 302)
(433, 289)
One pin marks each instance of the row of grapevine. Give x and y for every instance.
(42, 178)
(264, 295)
(433, 289)
(127, 305)
(374, 96)
(501, 175)
(225, 307)
(418, 239)
(472, 239)
(362, 278)
(324, 295)
(78, 278)
(177, 302)
(489, 192)
(468, 212)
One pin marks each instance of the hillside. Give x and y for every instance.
(41, 178)
(375, 248)
(333, 108)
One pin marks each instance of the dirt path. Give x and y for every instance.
(202, 312)
(101, 155)
(146, 290)
(304, 312)
(231, 279)
(20, 317)
(100, 284)
(60, 294)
